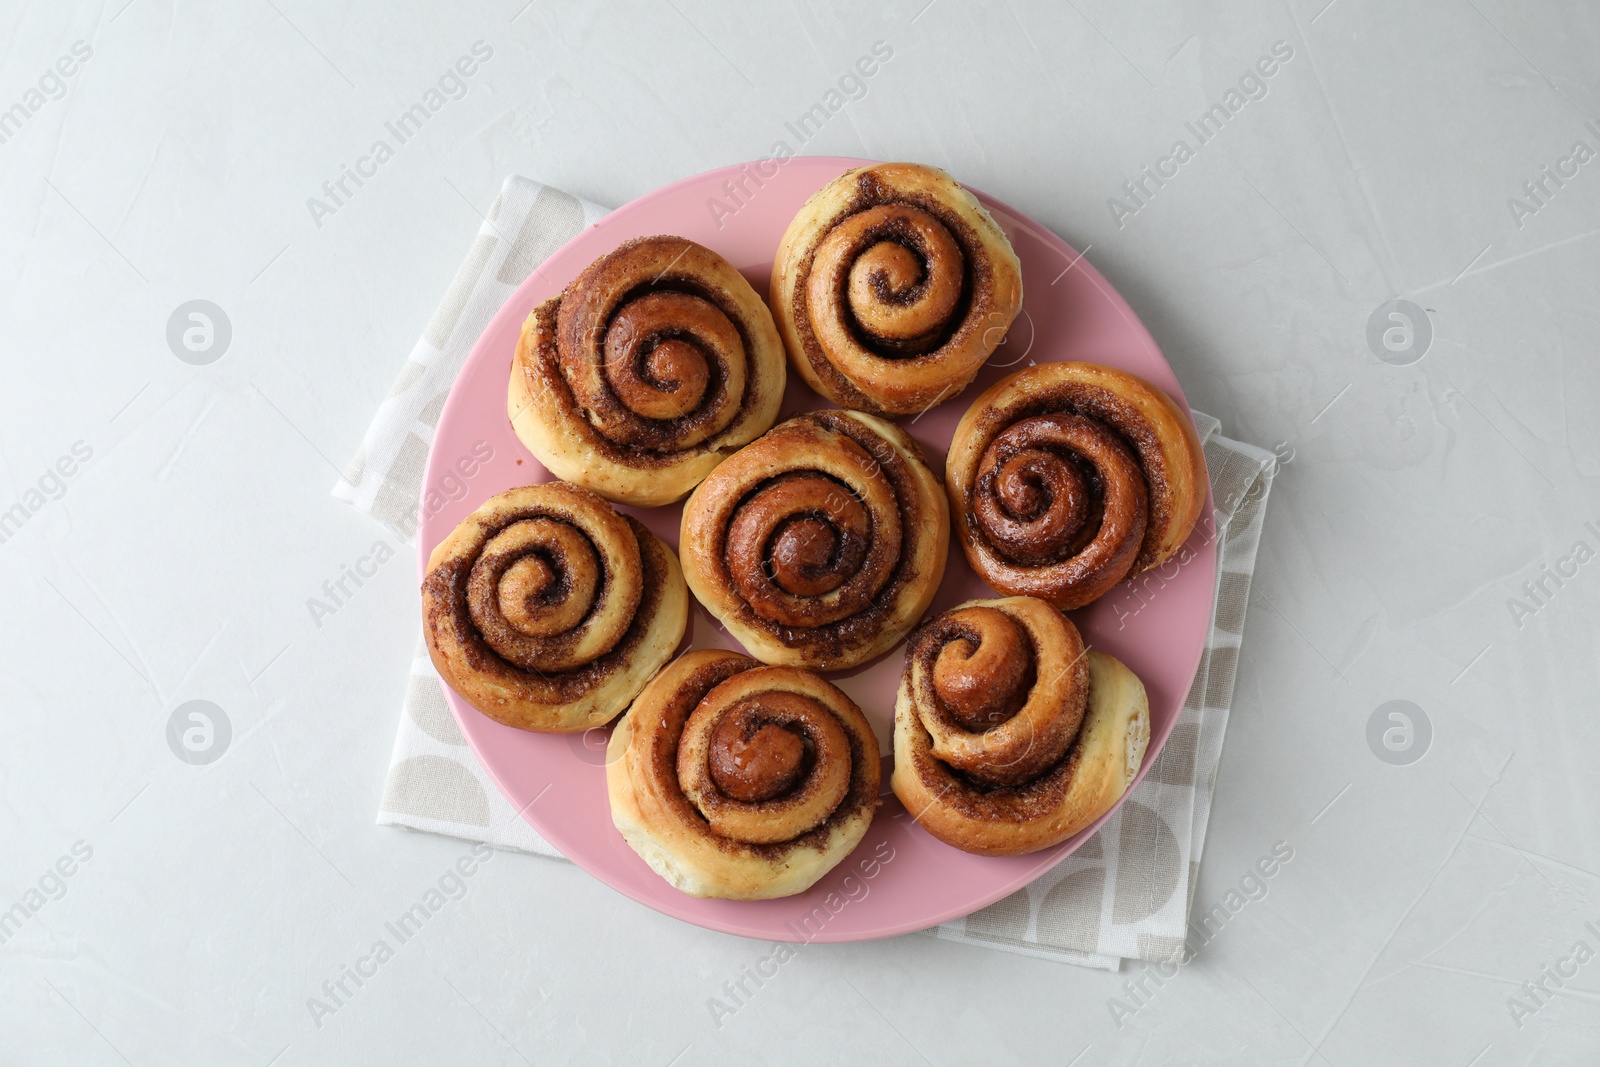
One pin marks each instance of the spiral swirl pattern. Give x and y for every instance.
(821, 544)
(547, 610)
(892, 286)
(1009, 735)
(736, 780)
(654, 363)
(1001, 693)
(1066, 478)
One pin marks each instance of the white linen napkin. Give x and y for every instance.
(1125, 894)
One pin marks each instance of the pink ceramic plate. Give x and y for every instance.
(900, 879)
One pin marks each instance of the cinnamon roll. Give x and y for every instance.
(821, 544)
(892, 286)
(1009, 736)
(656, 362)
(1066, 478)
(739, 781)
(546, 610)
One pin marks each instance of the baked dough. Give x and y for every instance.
(892, 286)
(546, 610)
(739, 781)
(1066, 478)
(1010, 737)
(655, 363)
(821, 544)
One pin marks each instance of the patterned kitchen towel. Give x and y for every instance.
(527, 223)
(1125, 893)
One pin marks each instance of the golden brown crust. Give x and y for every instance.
(657, 361)
(1066, 478)
(739, 781)
(891, 288)
(1061, 760)
(546, 610)
(821, 544)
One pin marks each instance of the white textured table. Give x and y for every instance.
(165, 522)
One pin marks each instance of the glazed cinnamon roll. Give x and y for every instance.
(1066, 478)
(892, 286)
(546, 610)
(657, 361)
(740, 781)
(1009, 736)
(821, 544)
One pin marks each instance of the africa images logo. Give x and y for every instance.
(51, 85)
(451, 886)
(51, 485)
(1252, 85)
(852, 86)
(453, 84)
